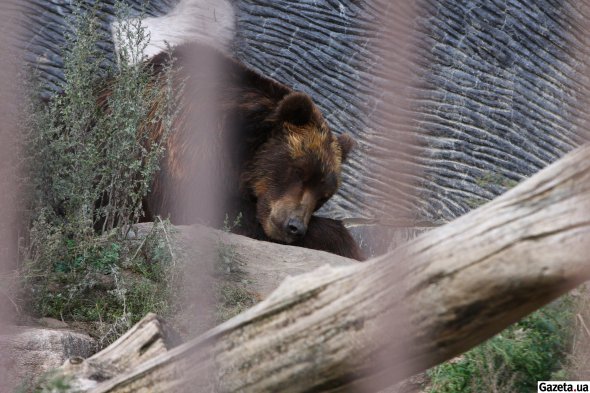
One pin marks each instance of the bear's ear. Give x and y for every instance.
(295, 108)
(346, 145)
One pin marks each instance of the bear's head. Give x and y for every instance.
(297, 169)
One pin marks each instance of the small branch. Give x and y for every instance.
(16, 307)
(584, 324)
(168, 242)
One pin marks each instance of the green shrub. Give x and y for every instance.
(81, 152)
(49, 382)
(513, 361)
(90, 161)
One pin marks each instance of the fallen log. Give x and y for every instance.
(373, 324)
(147, 339)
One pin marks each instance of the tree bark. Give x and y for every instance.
(372, 324)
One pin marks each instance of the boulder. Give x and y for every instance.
(33, 351)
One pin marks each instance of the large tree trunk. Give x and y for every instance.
(373, 324)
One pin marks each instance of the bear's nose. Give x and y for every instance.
(295, 227)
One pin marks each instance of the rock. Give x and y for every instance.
(33, 351)
(52, 323)
(263, 265)
(376, 239)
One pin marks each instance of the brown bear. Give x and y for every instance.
(256, 148)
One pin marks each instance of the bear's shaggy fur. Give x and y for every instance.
(254, 148)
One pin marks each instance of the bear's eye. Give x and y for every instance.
(299, 173)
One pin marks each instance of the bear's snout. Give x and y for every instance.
(295, 227)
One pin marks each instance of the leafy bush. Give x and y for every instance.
(578, 362)
(91, 160)
(513, 361)
(90, 143)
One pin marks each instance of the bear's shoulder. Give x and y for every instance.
(198, 60)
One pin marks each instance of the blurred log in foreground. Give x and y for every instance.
(372, 324)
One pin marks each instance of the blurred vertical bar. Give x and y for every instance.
(579, 359)
(10, 61)
(199, 197)
(395, 166)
